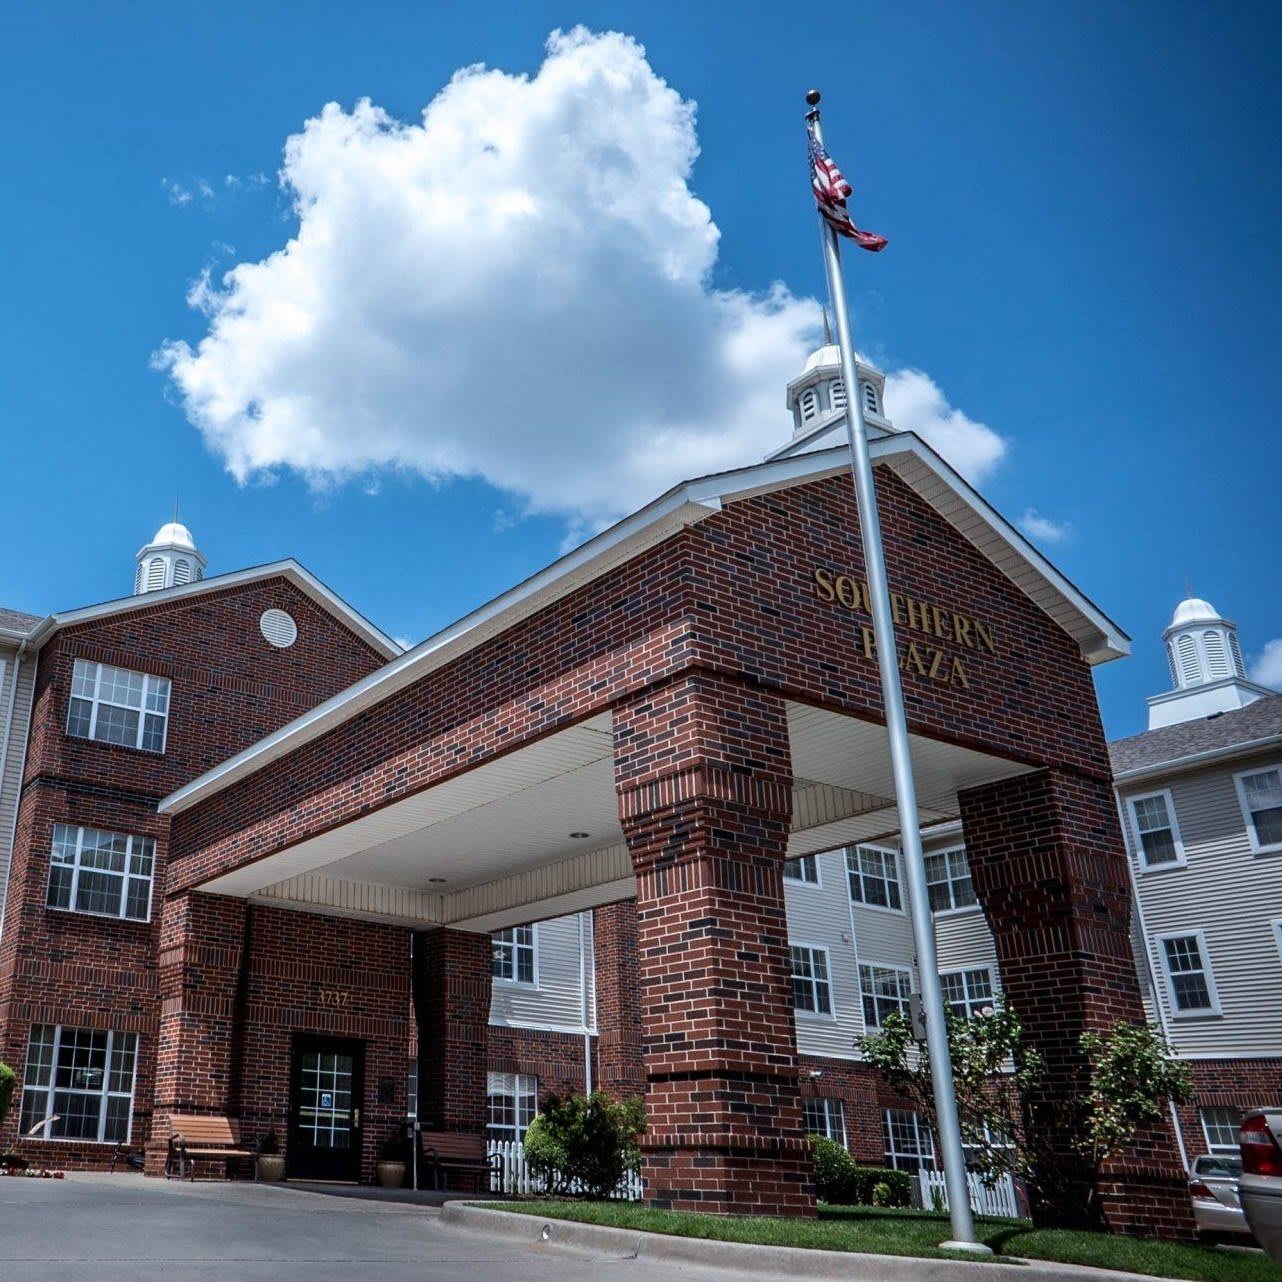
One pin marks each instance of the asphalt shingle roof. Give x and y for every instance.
(1257, 720)
(16, 621)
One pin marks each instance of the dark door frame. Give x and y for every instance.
(306, 1162)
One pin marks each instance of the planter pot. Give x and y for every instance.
(271, 1166)
(391, 1175)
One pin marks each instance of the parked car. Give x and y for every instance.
(1260, 1143)
(1213, 1182)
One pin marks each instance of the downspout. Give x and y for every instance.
(584, 1006)
(4, 765)
(1158, 1005)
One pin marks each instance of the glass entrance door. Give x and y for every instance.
(327, 1091)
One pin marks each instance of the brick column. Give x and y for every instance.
(452, 978)
(201, 942)
(705, 799)
(620, 1067)
(1049, 866)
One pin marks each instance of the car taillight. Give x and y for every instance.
(1198, 1189)
(1260, 1152)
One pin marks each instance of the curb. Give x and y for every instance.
(771, 1261)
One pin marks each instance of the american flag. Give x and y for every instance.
(831, 193)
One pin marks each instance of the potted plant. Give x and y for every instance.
(271, 1162)
(393, 1160)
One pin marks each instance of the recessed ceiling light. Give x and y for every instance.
(578, 836)
(436, 881)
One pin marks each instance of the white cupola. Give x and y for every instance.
(816, 399)
(1206, 667)
(169, 560)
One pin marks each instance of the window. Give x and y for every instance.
(968, 993)
(1153, 818)
(874, 877)
(909, 1146)
(885, 991)
(804, 869)
(1220, 1126)
(1260, 792)
(811, 990)
(106, 873)
(824, 1117)
(513, 1101)
(82, 1076)
(514, 955)
(809, 404)
(114, 705)
(1188, 974)
(948, 881)
(837, 394)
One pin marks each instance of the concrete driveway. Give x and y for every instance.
(98, 1227)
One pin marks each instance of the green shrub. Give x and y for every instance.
(585, 1144)
(841, 1181)
(8, 1080)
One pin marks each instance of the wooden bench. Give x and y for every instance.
(453, 1152)
(194, 1138)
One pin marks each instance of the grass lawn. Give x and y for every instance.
(859, 1228)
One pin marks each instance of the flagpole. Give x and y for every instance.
(941, 1069)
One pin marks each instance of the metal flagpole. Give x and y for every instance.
(941, 1069)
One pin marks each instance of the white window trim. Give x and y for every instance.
(527, 984)
(105, 1093)
(1277, 935)
(899, 881)
(125, 878)
(818, 882)
(994, 994)
(1180, 861)
(930, 1160)
(1216, 1150)
(828, 1101)
(516, 1096)
(828, 1016)
(976, 907)
(143, 711)
(1214, 1010)
(1247, 817)
(877, 965)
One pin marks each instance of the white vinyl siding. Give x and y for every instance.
(83, 1077)
(117, 705)
(556, 1002)
(1260, 792)
(1187, 968)
(826, 1117)
(1156, 832)
(11, 777)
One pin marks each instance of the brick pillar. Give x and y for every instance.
(201, 939)
(452, 977)
(705, 798)
(1049, 866)
(620, 1066)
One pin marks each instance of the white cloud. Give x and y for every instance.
(177, 193)
(516, 288)
(1043, 528)
(1266, 667)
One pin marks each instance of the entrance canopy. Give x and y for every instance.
(536, 833)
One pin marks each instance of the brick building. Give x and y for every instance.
(321, 850)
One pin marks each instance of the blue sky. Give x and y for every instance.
(1081, 202)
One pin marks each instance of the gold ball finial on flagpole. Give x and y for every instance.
(813, 96)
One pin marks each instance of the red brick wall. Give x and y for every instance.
(1228, 1083)
(556, 1059)
(229, 688)
(620, 1069)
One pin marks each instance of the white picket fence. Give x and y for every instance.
(997, 1200)
(515, 1177)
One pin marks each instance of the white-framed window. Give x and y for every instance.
(909, 1145)
(516, 955)
(811, 987)
(1277, 935)
(826, 1117)
(968, 993)
(808, 404)
(1187, 966)
(805, 869)
(115, 705)
(83, 1077)
(1260, 794)
(108, 874)
(948, 881)
(513, 1100)
(885, 990)
(837, 394)
(1156, 834)
(1220, 1127)
(873, 874)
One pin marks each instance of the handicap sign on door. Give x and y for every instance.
(327, 1099)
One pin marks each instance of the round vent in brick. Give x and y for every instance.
(279, 628)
